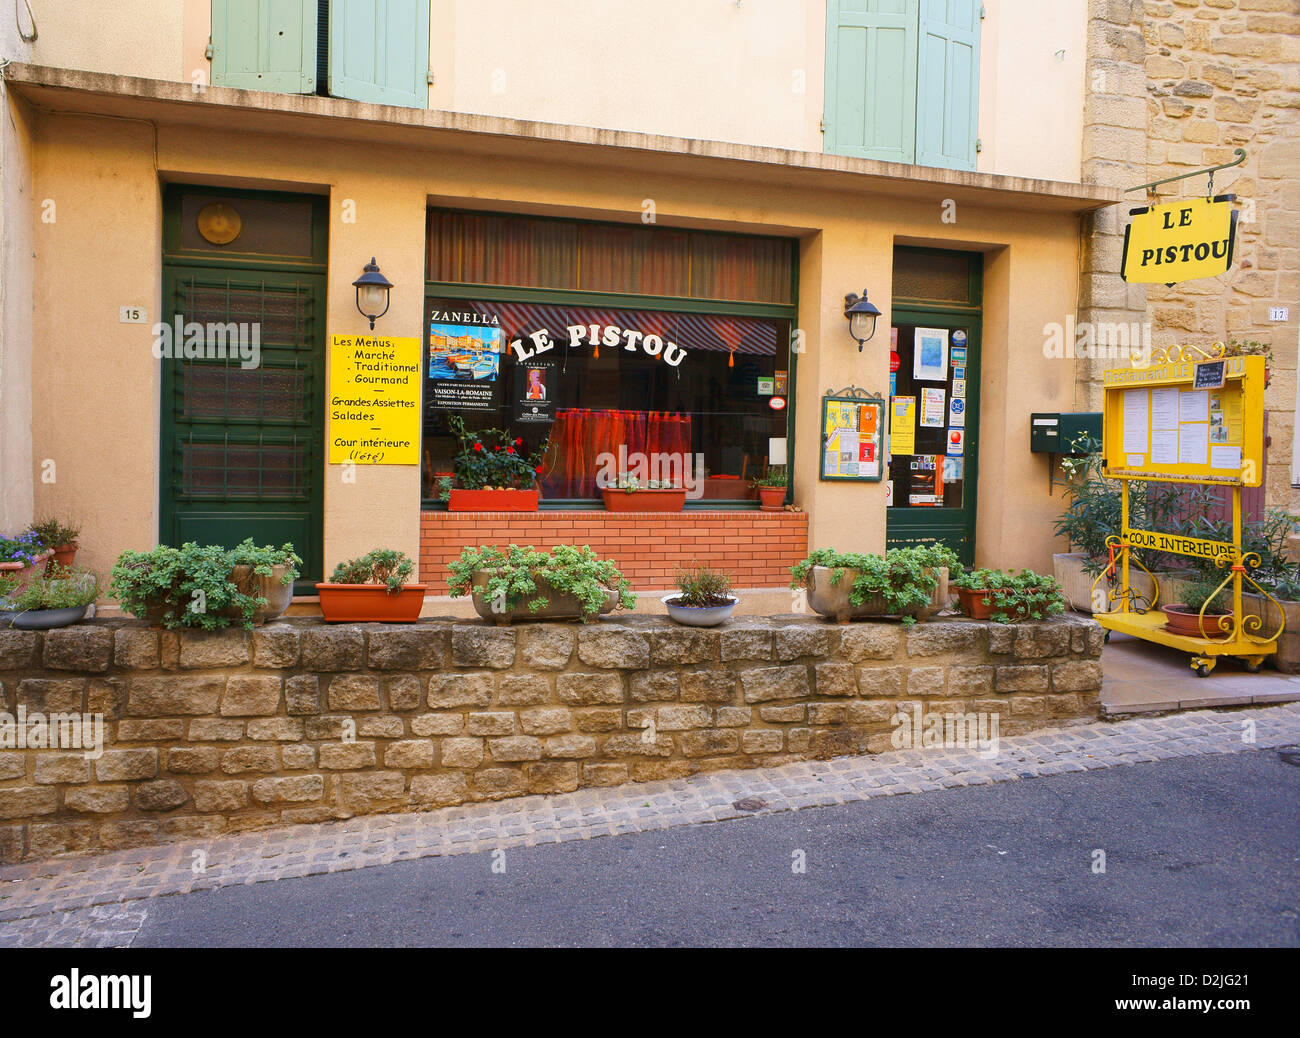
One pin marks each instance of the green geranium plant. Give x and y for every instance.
(1015, 595)
(512, 577)
(494, 459)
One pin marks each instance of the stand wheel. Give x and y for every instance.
(1202, 671)
(1253, 667)
(1105, 638)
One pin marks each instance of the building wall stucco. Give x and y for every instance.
(107, 242)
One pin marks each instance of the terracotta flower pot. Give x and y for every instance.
(64, 555)
(26, 572)
(370, 603)
(492, 500)
(1182, 619)
(979, 605)
(643, 500)
(772, 498)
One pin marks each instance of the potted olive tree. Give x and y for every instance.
(703, 598)
(372, 589)
(494, 471)
(522, 583)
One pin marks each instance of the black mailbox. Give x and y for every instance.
(1060, 432)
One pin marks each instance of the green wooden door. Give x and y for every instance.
(947, 83)
(871, 78)
(264, 45)
(379, 51)
(919, 483)
(241, 444)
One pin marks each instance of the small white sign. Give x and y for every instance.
(132, 315)
(1279, 313)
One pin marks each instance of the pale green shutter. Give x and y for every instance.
(871, 78)
(948, 78)
(264, 45)
(379, 51)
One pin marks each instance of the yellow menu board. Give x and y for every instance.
(374, 400)
(1159, 425)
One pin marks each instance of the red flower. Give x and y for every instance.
(539, 469)
(478, 446)
(519, 441)
(497, 447)
(510, 450)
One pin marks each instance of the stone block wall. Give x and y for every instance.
(298, 721)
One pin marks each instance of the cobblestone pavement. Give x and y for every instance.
(101, 901)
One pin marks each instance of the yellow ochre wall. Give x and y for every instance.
(95, 381)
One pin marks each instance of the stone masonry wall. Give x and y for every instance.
(298, 721)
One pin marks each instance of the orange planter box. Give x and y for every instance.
(370, 603)
(492, 501)
(643, 500)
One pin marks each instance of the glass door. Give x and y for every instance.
(934, 417)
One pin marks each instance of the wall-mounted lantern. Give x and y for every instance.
(372, 293)
(862, 316)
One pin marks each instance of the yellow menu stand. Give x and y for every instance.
(1189, 416)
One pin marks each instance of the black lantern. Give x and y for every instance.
(372, 293)
(862, 316)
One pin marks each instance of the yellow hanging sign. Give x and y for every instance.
(1179, 241)
(374, 400)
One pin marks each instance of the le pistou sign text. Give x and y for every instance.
(1180, 241)
(374, 404)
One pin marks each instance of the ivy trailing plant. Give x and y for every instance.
(1014, 595)
(512, 577)
(494, 459)
(382, 566)
(189, 586)
(905, 578)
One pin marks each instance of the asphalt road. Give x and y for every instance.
(1198, 852)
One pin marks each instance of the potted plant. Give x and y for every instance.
(264, 573)
(23, 558)
(190, 586)
(703, 598)
(372, 589)
(771, 490)
(1008, 595)
(493, 471)
(1185, 617)
(911, 583)
(57, 600)
(566, 583)
(630, 494)
(60, 538)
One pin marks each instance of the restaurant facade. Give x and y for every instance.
(629, 307)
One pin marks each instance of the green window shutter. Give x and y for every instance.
(948, 79)
(379, 51)
(871, 78)
(264, 45)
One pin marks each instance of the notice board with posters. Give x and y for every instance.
(853, 436)
(1159, 424)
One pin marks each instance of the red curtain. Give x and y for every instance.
(579, 438)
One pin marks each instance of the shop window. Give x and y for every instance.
(902, 80)
(685, 397)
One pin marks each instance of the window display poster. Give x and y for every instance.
(932, 408)
(925, 483)
(374, 415)
(902, 425)
(930, 355)
(464, 358)
(534, 390)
